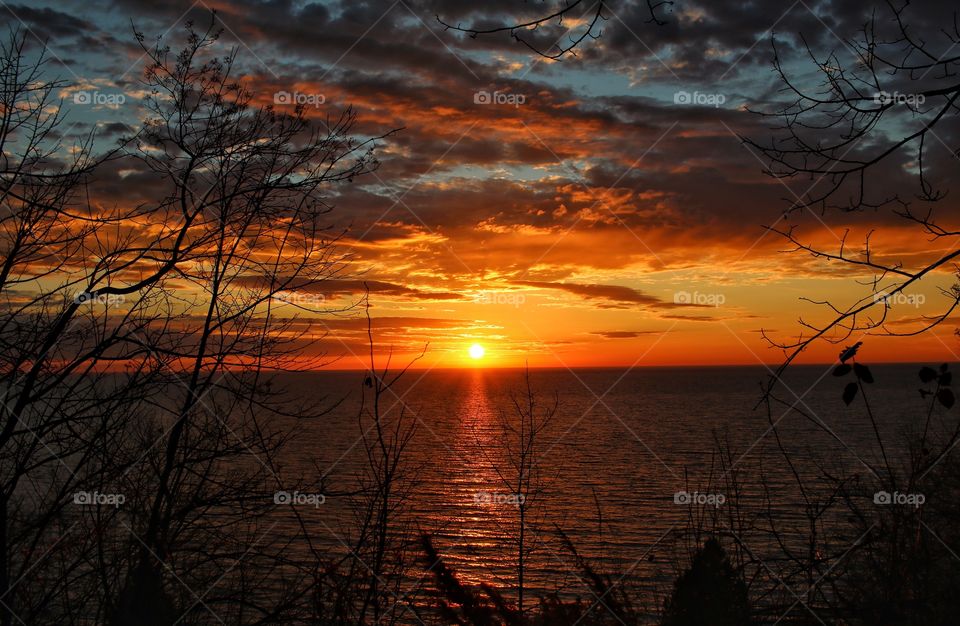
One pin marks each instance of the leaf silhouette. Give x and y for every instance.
(946, 378)
(927, 374)
(849, 393)
(945, 396)
(863, 373)
(842, 370)
(850, 351)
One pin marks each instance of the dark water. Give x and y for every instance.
(621, 445)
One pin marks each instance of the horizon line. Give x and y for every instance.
(769, 366)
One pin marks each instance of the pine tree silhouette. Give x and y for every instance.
(710, 593)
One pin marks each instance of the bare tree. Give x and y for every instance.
(517, 466)
(548, 43)
(138, 343)
(884, 98)
(243, 221)
(54, 416)
(382, 540)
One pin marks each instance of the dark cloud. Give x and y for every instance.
(616, 293)
(625, 334)
(587, 172)
(335, 287)
(691, 318)
(45, 23)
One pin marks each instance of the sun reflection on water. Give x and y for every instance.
(485, 518)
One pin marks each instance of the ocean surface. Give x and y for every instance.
(612, 466)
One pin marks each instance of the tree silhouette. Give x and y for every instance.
(138, 342)
(709, 592)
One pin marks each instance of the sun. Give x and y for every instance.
(477, 351)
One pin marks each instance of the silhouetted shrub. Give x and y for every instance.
(709, 593)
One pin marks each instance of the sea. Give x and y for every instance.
(632, 468)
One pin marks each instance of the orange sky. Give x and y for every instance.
(557, 213)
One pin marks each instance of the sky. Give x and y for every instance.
(596, 210)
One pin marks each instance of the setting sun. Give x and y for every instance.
(310, 224)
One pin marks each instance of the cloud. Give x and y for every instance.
(691, 318)
(338, 287)
(596, 180)
(625, 334)
(618, 295)
(46, 23)
(615, 293)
